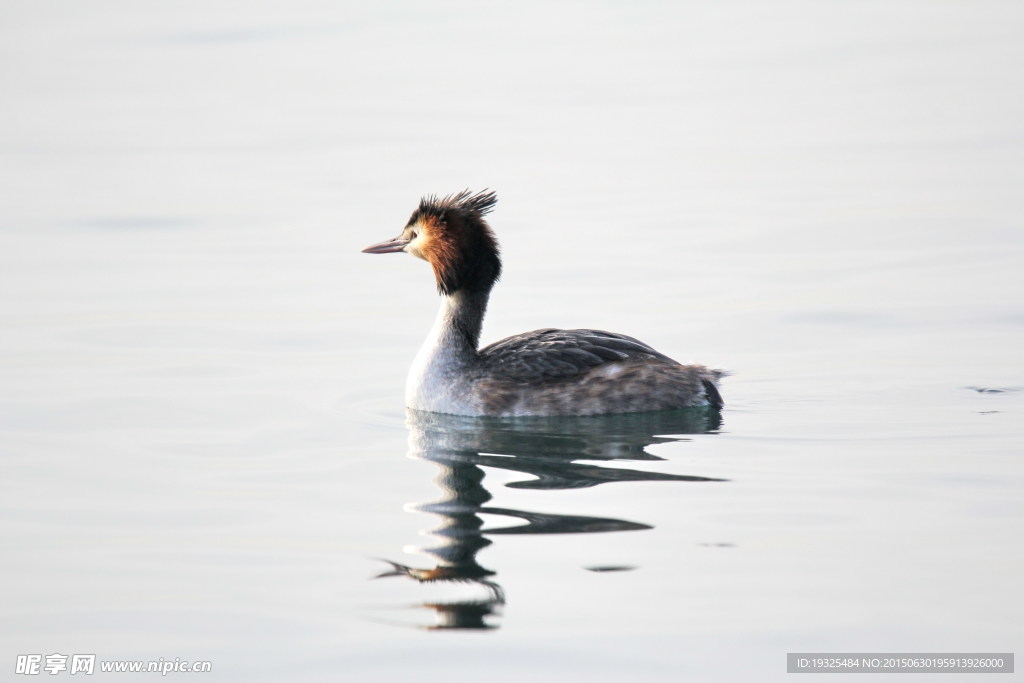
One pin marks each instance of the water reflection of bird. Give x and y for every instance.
(548, 449)
(544, 372)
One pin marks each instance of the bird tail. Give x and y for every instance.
(711, 392)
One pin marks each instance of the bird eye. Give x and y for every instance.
(412, 235)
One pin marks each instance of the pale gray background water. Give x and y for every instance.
(204, 447)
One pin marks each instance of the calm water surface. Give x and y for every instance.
(204, 450)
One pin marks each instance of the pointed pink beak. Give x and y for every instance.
(387, 246)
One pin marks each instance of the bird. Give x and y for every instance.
(546, 372)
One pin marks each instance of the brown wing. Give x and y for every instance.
(559, 354)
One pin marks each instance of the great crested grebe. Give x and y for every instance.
(544, 372)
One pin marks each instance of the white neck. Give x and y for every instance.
(439, 378)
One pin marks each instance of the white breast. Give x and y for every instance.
(436, 383)
(439, 380)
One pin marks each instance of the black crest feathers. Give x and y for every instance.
(463, 204)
